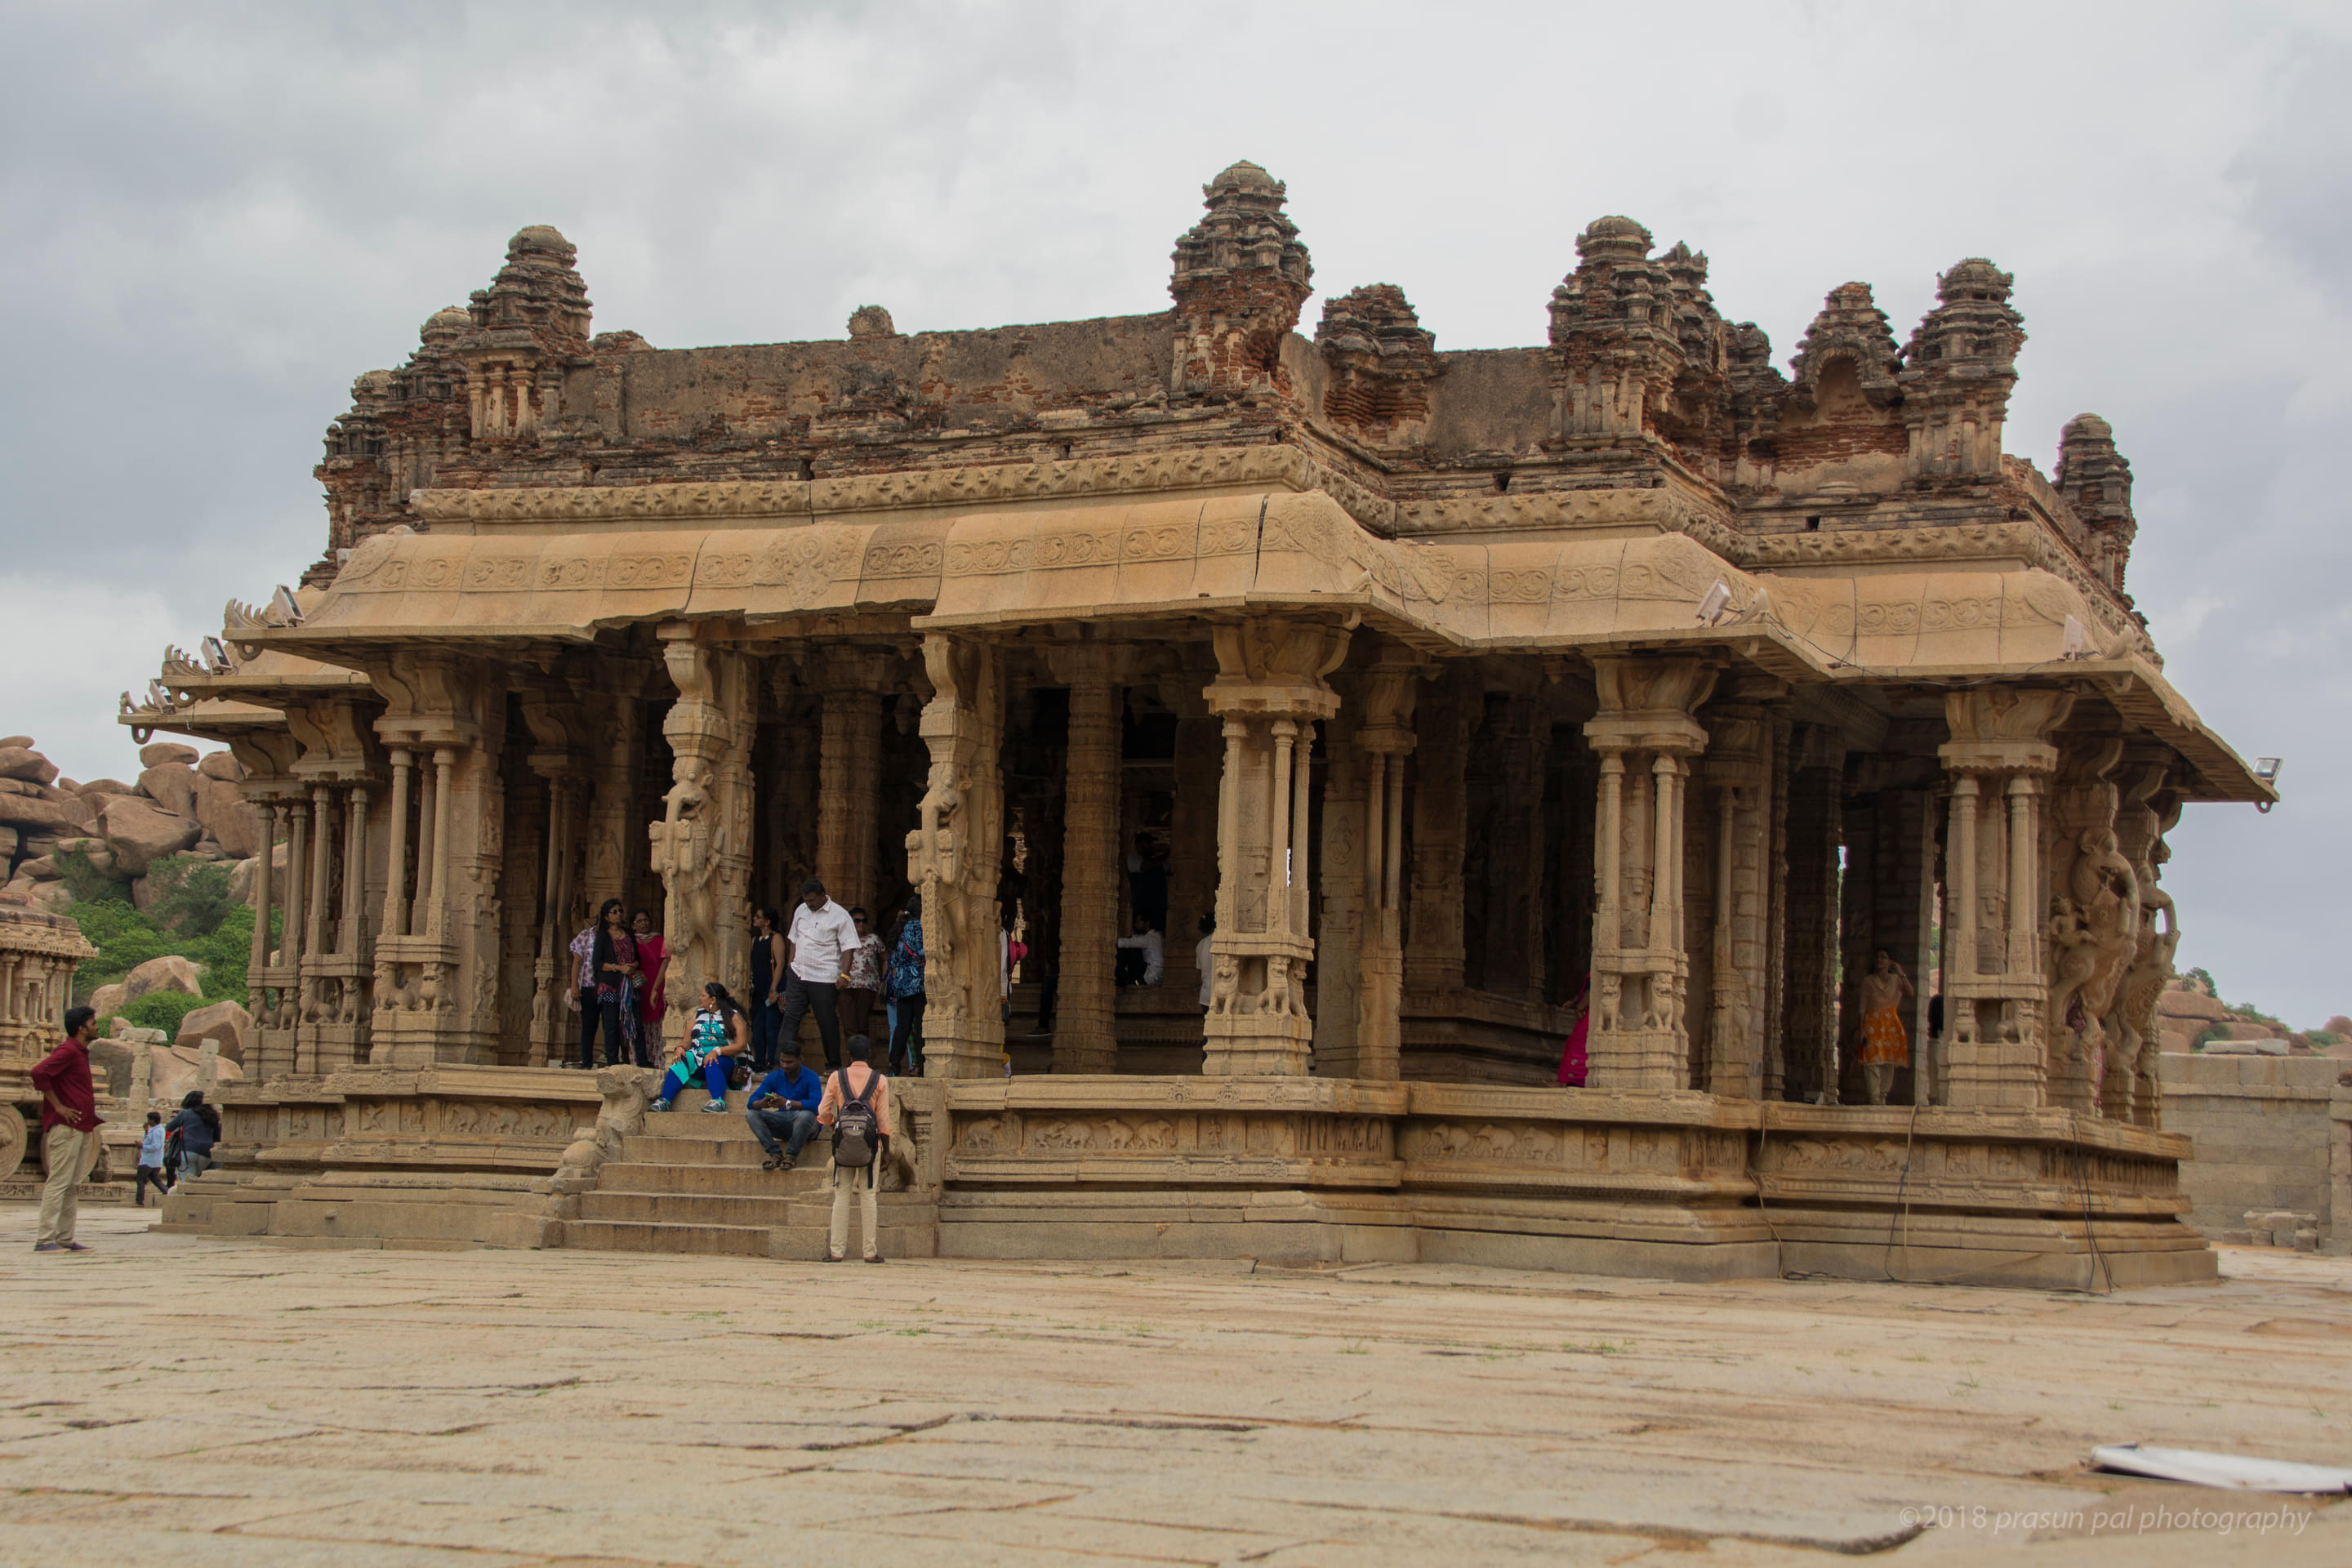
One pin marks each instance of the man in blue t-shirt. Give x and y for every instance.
(784, 1102)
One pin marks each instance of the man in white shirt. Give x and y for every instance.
(821, 939)
(1201, 958)
(1148, 942)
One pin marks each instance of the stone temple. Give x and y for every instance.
(1445, 679)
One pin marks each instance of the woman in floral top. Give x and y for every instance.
(861, 978)
(903, 978)
(614, 962)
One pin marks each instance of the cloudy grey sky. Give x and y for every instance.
(218, 215)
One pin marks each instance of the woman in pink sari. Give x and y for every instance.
(1571, 1058)
(651, 1004)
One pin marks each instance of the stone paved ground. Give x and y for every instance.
(172, 1399)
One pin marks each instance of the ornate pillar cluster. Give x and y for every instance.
(1995, 992)
(1085, 1038)
(1339, 946)
(1270, 692)
(437, 951)
(953, 854)
(322, 1016)
(1646, 736)
(702, 848)
(39, 955)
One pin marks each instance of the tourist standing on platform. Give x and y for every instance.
(197, 1129)
(903, 978)
(652, 999)
(583, 992)
(713, 1041)
(151, 1162)
(820, 941)
(857, 1106)
(70, 1122)
(861, 982)
(1142, 958)
(614, 961)
(1574, 1062)
(767, 984)
(1885, 1043)
(784, 1104)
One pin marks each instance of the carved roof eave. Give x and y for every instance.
(218, 719)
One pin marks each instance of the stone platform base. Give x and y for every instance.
(364, 1208)
(1301, 1171)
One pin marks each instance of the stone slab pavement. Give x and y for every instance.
(202, 1402)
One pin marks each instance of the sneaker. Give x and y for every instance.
(718, 1105)
(875, 1258)
(78, 1246)
(658, 1105)
(53, 1246)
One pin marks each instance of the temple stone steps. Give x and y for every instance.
(692, 1183)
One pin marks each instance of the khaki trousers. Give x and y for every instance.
(859, 1179)
(71, 1155)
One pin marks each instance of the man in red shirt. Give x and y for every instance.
(70, 1122)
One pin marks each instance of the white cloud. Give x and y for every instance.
(219, 218)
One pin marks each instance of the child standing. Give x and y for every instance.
(150, 1161)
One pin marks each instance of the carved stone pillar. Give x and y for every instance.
(1192, 827)
(612, 710)
(1385, 738)
(257, 957)
(1434, 957)
(1776, 927)
(952, 857)
(702, 845)
(1737, 773)
(1514, 956)
(275, 987)
(2095, 912)
(1270, 692)
(853, 682)
(558, 755)
(1810, 1009)
(1340, 934)
(1996, 999)
(1640, 1036)
(2150, 809)
(1085, 1038)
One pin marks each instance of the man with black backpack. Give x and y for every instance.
(857, 1106)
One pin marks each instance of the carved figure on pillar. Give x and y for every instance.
(701, 846)
(951, 857)
(1270, 690)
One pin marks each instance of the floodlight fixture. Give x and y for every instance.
(1718, 600)
(2267, 770)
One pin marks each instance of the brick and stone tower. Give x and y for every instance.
(1240, 278)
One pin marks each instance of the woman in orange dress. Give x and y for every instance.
(1885, 1043)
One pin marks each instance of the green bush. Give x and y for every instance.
(125, 939)
(84, 880)
(163, 1010)
(191, 896)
